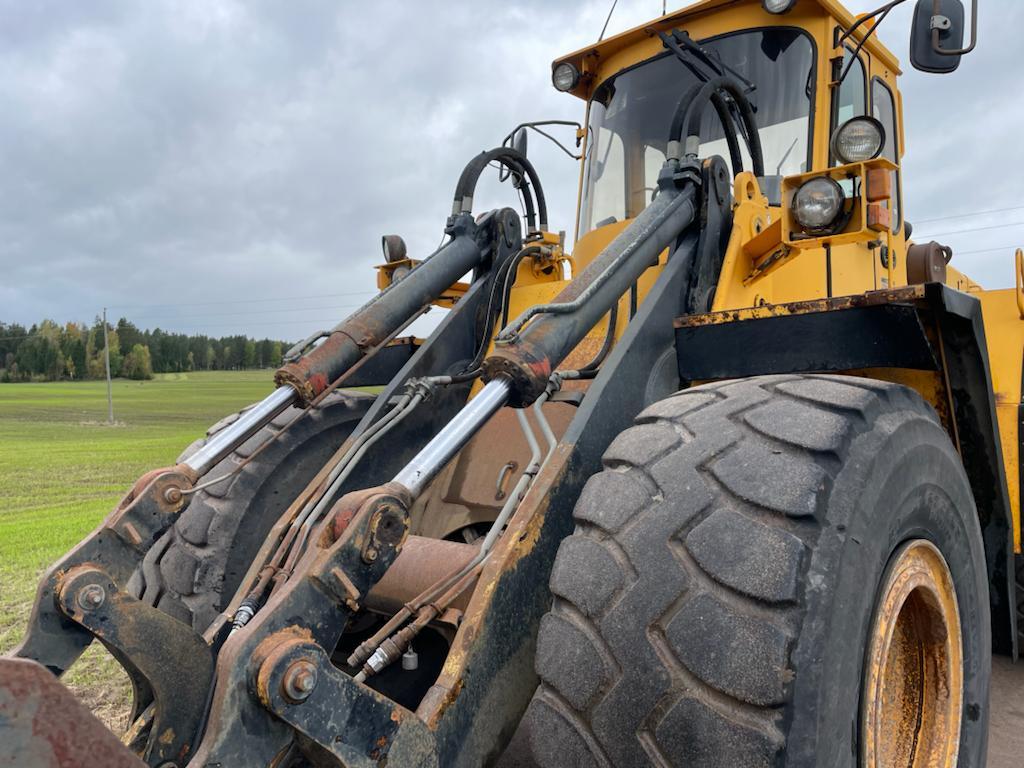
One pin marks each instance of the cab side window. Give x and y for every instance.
(851, 100)
(883, 109)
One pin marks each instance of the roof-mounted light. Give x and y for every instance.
(778, 6)
(565, 76)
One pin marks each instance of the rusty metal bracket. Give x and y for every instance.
(119, 543)
(157, 651)
(358, 726)
(312, 606)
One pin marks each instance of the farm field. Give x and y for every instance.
(63, 468)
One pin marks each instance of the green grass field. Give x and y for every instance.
(63, 468)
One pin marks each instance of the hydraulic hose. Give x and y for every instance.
(725, 117)
(430, 602)
(606, 346)
(691, 108)
(515, 161)
(501, 287)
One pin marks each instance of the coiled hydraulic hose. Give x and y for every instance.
(521, 167)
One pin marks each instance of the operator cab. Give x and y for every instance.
(631, 111)
(827, 109)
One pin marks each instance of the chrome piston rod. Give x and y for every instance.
(450, 440)
(248, 424)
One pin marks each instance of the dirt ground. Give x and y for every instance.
(1006, 727)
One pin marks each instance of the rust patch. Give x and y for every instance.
(44, 724)
(870, 298)
(342, 520)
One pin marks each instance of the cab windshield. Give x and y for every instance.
(630, 115)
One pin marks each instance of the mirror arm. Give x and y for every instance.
(936, 7)
(879, 16)
(867, 17)
(533, 126)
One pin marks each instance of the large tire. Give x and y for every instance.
(196, 566)
(714, 604)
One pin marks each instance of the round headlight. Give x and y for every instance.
(818, 203)
(858, 139)
(565, 76)
(778, 6)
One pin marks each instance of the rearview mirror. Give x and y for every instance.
(937, 36)
(519, 142)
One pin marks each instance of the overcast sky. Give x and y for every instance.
(161, 157)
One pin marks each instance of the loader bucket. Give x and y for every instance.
(43, 725)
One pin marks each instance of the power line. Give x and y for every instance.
(985, 250)
(330, 322)
(251, 313)
(242, 301)
(977, 229)
(968, 215)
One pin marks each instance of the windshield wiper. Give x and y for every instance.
(782, 162)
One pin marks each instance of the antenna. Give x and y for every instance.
(605, 27)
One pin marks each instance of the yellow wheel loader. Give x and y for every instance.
(734, 480)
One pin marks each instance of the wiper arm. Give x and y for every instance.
(782, 162)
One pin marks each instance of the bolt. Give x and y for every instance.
(91, 597)
(299, 681)
(370, 555)
(172, 495)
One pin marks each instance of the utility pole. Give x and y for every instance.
(106, 350)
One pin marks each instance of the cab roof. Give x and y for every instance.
(606, 48)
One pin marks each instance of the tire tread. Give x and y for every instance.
(670, 700)
(185, 572)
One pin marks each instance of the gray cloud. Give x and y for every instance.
(172, 153)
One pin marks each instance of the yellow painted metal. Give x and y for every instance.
(1004, 332)
(705, 19)
(854, 266)
(856, 231)
(957, 279)
(1018, 269)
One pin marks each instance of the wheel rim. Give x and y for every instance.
(913, 691)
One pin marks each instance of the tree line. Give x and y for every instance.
(48, 351)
